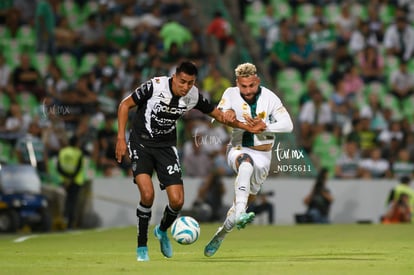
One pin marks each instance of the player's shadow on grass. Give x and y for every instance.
(352, 256)
(219, 259)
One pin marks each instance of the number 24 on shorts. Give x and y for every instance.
(173, 169)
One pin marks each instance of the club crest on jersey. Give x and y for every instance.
(157, 80)
(262, 115)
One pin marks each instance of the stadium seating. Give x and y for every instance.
(291, 86)
(287, 76)
(26, 38)
(89, 8)
(6, 152)
(69, 66)
(305, 13)
(11, 50)
(359, 10)
(69, 7)
(408, 109)
(386, 13)
(325, 148)
(41, 62)
(72, 11)
(410, 66)
(28, 103)
(254, 13)
(87, 62)
(331, 12)
(377, 88)
(317, 74)
(292, 94)
(4, 35)
(282, 9)
(391, 63)
(4, 102)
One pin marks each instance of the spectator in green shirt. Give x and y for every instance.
(175, 32)
(280, 52)
(45, 23)
(117, 35)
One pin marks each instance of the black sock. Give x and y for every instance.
(143, 218)
(168, 218)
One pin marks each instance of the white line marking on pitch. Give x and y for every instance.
(22, 239)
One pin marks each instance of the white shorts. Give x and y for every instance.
(261, 165)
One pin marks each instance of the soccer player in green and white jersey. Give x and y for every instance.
(249, 154)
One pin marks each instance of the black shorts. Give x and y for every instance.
(163, 160)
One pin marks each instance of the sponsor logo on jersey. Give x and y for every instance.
(245, 109)
(160, 108)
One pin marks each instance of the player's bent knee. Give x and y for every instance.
(177, 205)
(244, 157)
(147, 198)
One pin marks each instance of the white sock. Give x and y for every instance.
(230, 220)
(242, 187)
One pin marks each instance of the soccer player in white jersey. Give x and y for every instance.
(249, 154)
(159, 103)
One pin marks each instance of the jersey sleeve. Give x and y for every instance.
(225, 102)
(204, 105)
(143, 93)
(279, 119)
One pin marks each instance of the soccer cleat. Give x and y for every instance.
(165, 244)
(212, 247)
(244, 219)
(142, 254)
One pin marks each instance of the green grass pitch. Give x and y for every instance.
(306, 249)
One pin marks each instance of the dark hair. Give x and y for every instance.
(401, 19)
(320, 180)
(187, 67)
(73, 141)
(405, 179)
(92, 17)
(403, 61)
(217, 14)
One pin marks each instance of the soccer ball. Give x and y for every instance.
(185, 230)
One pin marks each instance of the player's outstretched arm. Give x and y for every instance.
(229, 118)
(283, 122)
(123, 110)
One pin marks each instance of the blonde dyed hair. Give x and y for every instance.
(245, 70)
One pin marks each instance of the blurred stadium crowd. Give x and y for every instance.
(340, 67)
(346, 71)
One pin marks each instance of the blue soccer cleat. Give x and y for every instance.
(142, 254)
(244, 219)
(212, 247)
(165, 244)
